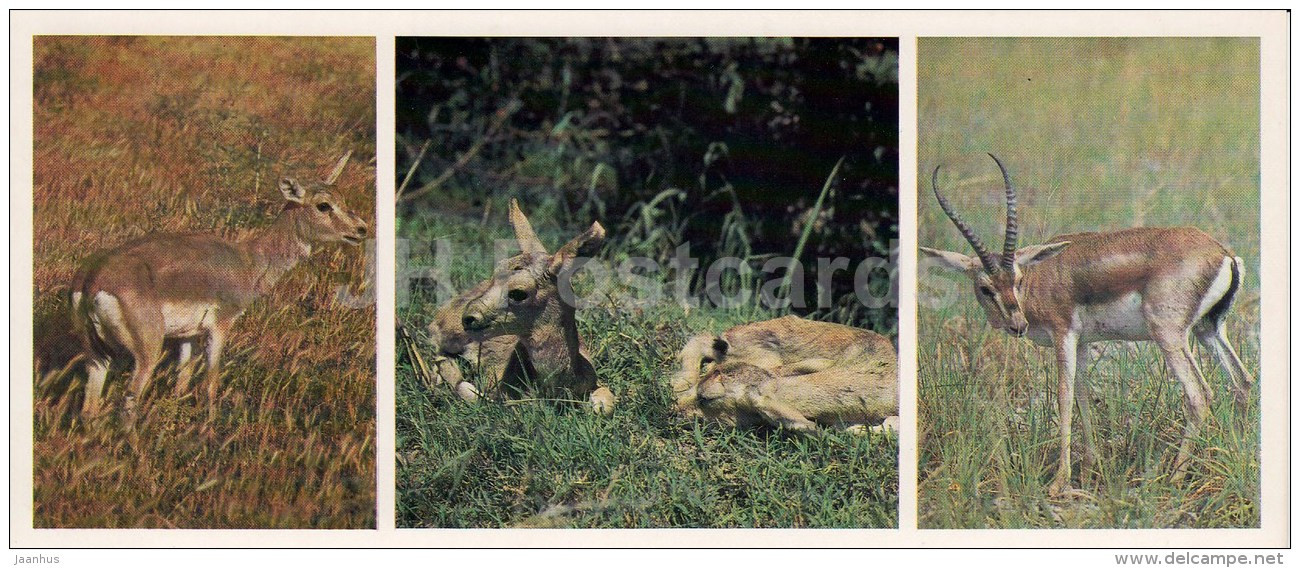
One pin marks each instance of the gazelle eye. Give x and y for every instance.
(517, 295)
(324, 207)
(987, 292)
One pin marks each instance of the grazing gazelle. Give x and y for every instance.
(1145, 284)
(191, 287)
(518, 329)
(790, 372)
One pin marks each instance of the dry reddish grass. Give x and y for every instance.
(148, 134)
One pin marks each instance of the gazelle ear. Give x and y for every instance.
(950, 260)
(585, 244)
(1030, 256)
(528, 241)
(292, 190)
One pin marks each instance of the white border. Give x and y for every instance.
(1271, 27)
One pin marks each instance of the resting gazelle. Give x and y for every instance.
(517, 328)
(790, 372)
(1145, 284)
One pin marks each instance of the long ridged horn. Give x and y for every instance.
(1013, 227)
(986, 258)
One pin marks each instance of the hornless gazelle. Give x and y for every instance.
(188, 287)
(517, 329)
(790, 372)
(1144, 284)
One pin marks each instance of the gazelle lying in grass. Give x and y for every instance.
(189, 287)
(1147, 284)
(517, 330)
(791, 372)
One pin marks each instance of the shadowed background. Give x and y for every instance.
(722, 144)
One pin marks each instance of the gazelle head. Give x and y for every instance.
(319, 216)
(997, 278)
(523, 289)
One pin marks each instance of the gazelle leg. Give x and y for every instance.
(778, 413)
(96, 375)
(184, 368)
(890, 423)
(147, 354)
(145, 330)
(1178, 358)
(602, 401)
(1083, 399)
(1066, 352)
(216, 342)
(1215, 339)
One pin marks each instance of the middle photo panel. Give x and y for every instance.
(647, 282)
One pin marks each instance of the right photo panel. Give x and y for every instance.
(1088, 287)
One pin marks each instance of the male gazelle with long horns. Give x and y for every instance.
(516, 327)
(1144, 284)
(193, 287)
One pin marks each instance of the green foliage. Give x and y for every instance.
(721, 143)
(555, 464)
(1098, 134)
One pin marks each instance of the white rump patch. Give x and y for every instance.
(1218, 287)
(105, 313)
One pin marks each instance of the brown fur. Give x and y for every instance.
(130, 299)
(790, 372)
(1141, 284)
(517, 330)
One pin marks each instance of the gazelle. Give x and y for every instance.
(1144, 284)
(791, 372)
(517, 329)
(190, 287)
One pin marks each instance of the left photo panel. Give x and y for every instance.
(204, 326)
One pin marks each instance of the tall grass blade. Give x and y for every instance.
(807, 228)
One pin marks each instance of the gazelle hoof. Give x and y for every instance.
(890, 424)
(602, 401)
(466, 391)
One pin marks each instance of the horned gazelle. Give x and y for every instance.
(1144, 284)
(517, 328)
(190, 287)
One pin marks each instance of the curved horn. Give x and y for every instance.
(1013, 227)
(986, 258)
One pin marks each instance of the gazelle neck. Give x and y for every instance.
(277, 249)
(553, 342)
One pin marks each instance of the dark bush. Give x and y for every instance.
(721, 143)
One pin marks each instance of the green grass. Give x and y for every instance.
(543, 464)
(1097, 134)
(135, 135)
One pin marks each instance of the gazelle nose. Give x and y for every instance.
(361, 230)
